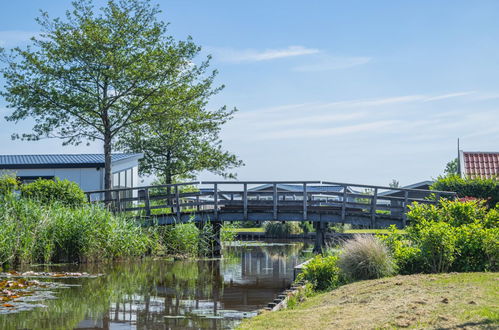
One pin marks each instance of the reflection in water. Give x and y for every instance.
(158, 294)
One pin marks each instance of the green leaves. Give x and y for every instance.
(115, 75)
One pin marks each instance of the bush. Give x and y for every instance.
(406, 255)
(487, 189)
(456, 213)
(281, 230)
(8, 184)
(49, 191)
(322, 272)
(365, 257)
(437, 244)
(456, 236)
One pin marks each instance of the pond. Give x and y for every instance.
(163, 294)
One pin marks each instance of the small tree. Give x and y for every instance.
(181, 138)
(394, 184)
(95, 74)
(452, 167)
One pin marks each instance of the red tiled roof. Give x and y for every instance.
(481, 164)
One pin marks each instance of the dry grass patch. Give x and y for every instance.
(444, 301)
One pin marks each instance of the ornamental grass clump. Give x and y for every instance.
(365, 257)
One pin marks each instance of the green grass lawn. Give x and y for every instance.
(437, 301)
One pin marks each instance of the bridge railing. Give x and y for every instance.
(272, 197)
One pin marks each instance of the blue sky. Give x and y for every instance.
(351, 91)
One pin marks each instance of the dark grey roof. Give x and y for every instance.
(418, 185)
(299, 188)
(59, 160)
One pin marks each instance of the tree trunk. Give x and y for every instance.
(107, 165)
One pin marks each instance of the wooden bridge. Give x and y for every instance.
(320, 202)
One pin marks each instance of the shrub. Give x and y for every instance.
(437, 242)
(403, 250)
(50, 191)
(474, 251)
(281, 230)
(487, 189)
(456, 213)
(8, 184)
(322, 272)
(365, 257)
(458, 236)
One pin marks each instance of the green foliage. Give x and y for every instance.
(405, 254)
(454, 236)
(8, 184)
(301, 295)
(100, 74)
(454, 213)
(54, 191)
(31, 232)
(322, 272)
(365, 257)
(281, 230)
(306, 227)
(451, 168)
(487, 189)
(182, 239)
(437, 244)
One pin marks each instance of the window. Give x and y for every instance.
(116, 180)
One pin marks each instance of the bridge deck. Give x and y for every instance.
(315, 201)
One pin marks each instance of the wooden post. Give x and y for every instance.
(148, 202)
(245, 201)
(404, 211)
(88, 198)
(118, 201)
(177, 201)
(198, 207)
(374, 201)
(305, 202)
(275, 200)
(215, 197)
(217, 243)
(344, 204)
(319, 237)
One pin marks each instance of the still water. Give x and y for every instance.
(161, 294)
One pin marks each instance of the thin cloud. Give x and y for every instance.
(359, 103)
(329, 131)
(251, 55)
(11, 38)
(448, 96)
(333, 63)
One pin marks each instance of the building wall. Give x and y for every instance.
(86, 178)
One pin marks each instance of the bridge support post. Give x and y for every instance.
(320, 232)
(217, 239)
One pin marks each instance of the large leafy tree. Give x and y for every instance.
(96, 73)
(181, 138)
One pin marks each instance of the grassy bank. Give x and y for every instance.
(463, 300)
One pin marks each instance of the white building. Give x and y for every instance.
(87, 170)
